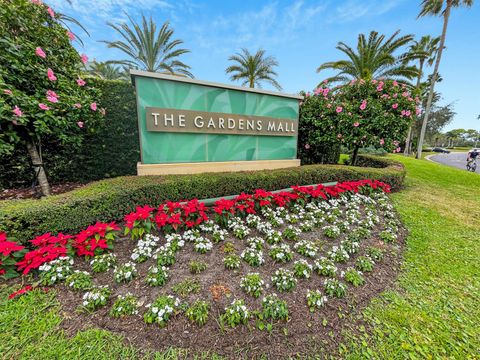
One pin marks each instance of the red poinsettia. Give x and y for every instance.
(95, 239)
(10, 252)
(139, 222)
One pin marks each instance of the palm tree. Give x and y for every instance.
(436, 8)
(424, 51)
(108, 71)
(253, 69)
(373, 58)
(147, 49)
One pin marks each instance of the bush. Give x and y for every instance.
(111, 199)
(109, 149)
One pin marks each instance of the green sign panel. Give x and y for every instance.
(186, 120)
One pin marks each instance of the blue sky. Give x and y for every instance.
(300, 34)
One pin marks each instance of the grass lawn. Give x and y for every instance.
(433, 314)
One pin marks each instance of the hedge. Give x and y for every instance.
(111, 199)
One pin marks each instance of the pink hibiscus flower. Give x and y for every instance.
(93, 106)
(16, 111)
(71, 35)
(43, 106)
(39, 52)
(356, 124)
(81, 82)
(80, 124)
(394, 106)
(51, 12)
(84, 58)
(51, 75)
(339, 109)
(8, 92)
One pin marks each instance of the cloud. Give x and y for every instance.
(355, 9)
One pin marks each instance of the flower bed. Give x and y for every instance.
(170, 276)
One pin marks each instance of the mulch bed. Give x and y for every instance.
(34, 192)
(305, 333)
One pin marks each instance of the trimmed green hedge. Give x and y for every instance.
(111, 199)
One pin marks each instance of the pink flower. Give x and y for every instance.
(380, 87)
(52, 96)
(43, 106)
(408, 113)
(382, 141)
(329, 106)
(38, 2)
(395, 95)
(84, 58)
(405, 94)
(339, 109)
(339, 136)
(418, 111)
(93, 106)
(77, 105)
(8, 92)
(81, 82)
(51, 12)
(71, 35)
(16, 111)
(318, 91)
(395, 83)
(363, 105)
(80, 124)
(398, 149)
(394, 106)
(39, 51)
(307, 94)
(374, 81)
(403, 113)
(307, 146)
(356, 124)
(326, 91)
(51, 75)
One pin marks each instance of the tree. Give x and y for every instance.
(42, 93)
(374, 58)
(436, 8)
(147, 49)
(359, 114)
(108, 71)
(424, 51)
(252, 70)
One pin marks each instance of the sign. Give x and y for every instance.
(190, 121)
(209, 126)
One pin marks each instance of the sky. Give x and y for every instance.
(301, 34)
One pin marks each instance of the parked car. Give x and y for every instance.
(441, 150)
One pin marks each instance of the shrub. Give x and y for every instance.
(111, 199)
(79, 280)
(236, 313)
(252, 284)
(124, 305)
(96, 298)
(161, 310)
(274, 308)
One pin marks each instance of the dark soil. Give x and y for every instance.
(35, 193)
(306, 333)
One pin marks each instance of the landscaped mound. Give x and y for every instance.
(268, 273)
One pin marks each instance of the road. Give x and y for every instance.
(454, 159)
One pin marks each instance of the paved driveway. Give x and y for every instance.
(454, 159)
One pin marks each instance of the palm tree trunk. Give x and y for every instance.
(446, 16)
(408, 140)
(38, 168)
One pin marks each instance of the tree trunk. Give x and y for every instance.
(38, 168)
(408, 140)
(354, 156)
(446, 15)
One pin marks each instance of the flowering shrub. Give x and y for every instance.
(10, 253)
(165, 256)
(231, 262)
(291, 233)
(374, 253)
(274, 308)
(157, 276)
(125, 272)
(124, 305)
(161, 310)
(325, 267)
(198, 312)
(174, 242)
(102, 263)
(255, 243)
(306, 248)
(359, 114)
(55, 270)
(235, 314)
(364, 264)
(315, 299)
(284, 280)
(139, 222)
(302, 269)
(252, 257)
(354, 277)
(79, 280)
(95, 239)
(334, 288)
(252, 284)
(281, 253)
(40, 93)
(96, 298)
(202, 245)
(144, 249)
